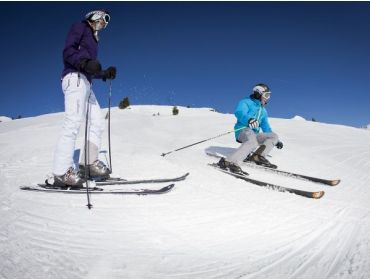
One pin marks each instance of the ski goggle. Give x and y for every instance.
(266, 95)
(106, 18)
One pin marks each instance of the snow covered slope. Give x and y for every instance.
(5, 119)
(209, 226)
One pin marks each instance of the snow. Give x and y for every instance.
(209, 226)
(298, 118)
(4, 119)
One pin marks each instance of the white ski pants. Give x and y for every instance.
(77, 90)
(250, 141)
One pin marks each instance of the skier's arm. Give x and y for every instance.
(72, 52)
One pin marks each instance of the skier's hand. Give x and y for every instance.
(253, 123)
(90, 66)
(279, 145)
(110, 73)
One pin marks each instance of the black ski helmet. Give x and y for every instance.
(261, 90)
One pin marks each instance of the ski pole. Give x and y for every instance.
(89, 205)
(110, 101)
(164, 154)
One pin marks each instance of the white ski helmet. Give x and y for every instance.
(261, 90)
(96, 15)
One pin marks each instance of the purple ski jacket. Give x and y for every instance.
(80, 44)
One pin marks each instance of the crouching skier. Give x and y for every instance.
(251, 113)
(80, 67)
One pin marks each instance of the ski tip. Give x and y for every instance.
(318, 195)
(183, 177)
(166, 189)
(334, 182)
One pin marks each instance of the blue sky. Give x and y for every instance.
(315, 56)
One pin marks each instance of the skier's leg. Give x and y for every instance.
(249, 143)
(95, 131)
(97, 124)
(75, 95)
(269, 140)
(96, 127)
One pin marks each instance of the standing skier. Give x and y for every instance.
(80, 67)
(252, 115)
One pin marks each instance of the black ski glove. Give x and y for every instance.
(109, 74)
(279, 145)
(90, 66)
(253, 123)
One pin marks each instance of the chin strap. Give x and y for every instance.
(96, 35)
(93, 27)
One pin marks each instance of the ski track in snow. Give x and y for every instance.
(209, 226)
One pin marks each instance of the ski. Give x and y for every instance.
(120, 181)
(315, 194)
(296, 175)
(82, 190)
(288, 173)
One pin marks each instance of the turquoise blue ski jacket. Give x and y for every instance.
(251, 108)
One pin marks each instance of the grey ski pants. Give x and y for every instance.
(250, 141)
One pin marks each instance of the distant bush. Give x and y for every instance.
(124, 103)
(175, 111)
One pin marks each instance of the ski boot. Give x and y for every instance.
(259, 159)
(230, 166)
(70, 178)
(97, 170)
